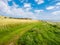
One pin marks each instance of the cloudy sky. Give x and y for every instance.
(35, 9)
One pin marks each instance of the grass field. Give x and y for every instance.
(29, 32)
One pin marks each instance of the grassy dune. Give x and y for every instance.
(29, 32)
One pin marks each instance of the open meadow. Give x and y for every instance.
(29, 32)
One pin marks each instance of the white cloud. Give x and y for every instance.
(56, 13)
(39, 1)
(27, 5)
(5, 1)
(14, 11)
(28, 9)
(39, 11)
(15, 5)
(58, 4)
(55, 7)
(4, 7)
(50, 7)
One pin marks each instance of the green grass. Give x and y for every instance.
(13, 32)
(42, 34)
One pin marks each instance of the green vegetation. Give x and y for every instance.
(29, 32)
(41, 34)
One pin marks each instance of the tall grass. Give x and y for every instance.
(29, 32)
(42, 34)
(10, 28)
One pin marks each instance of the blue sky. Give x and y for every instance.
(35, 9)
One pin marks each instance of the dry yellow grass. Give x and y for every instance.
(14, 21)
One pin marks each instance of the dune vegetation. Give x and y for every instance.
(29, 32)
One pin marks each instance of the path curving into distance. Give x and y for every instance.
(11, 37)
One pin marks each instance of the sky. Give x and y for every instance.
(35, 9)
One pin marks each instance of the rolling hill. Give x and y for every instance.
(29, 32)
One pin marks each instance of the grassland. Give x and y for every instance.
(29, 32)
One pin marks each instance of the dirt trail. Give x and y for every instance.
(13, 42)
(14, 36)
